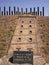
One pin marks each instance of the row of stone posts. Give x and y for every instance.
(14, 12)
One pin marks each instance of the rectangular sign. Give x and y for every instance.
(21, 57)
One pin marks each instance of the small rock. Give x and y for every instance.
(46, 64)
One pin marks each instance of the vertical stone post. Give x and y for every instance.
(43, 11)
(30, 10)
(21, 10)
(34, 10)
(2, 13)
(9, 10)
(14, 10)
(0, 10)
(4, 10)
(17, 10)
(38, 11)
(26, 10)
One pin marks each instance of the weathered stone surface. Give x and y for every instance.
(35, 45)
(37, 60)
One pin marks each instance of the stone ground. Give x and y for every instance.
(37, 59)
